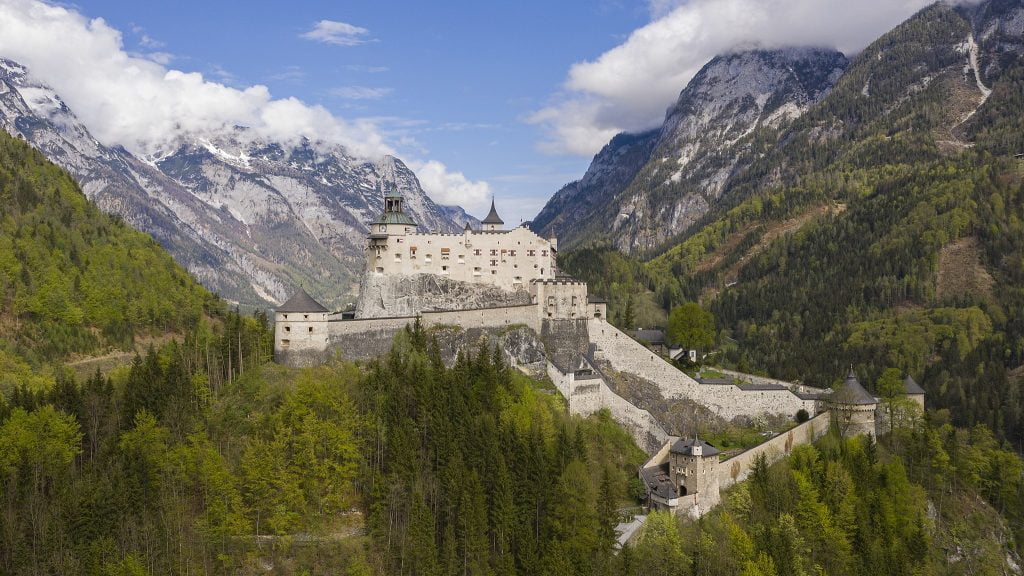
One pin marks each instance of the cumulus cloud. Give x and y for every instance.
(337, 33)
(629, 87)
(451, 188)
(360, 92)
(136, 102)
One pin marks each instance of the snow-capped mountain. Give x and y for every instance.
(250, 218)
(644, 189)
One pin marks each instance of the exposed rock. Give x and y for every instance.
(391, 295)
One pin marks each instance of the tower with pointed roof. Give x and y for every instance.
(300, 330)
(492, 222)
(853, 408)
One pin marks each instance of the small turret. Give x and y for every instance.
(492, 222)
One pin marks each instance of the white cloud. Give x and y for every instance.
(360, 92)
(629, 87)
(132, 101)
(337, 33)
(447, 187)
(144, 106)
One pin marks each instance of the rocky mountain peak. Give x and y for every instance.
(642, 189)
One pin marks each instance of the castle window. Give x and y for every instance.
(305, 316)
(398, 240)
(494, 262)
(494, 252)
(285, 343)
(310, 328)
(477, 252)
(531, 252)
(427, 259)
(444, 270)
(517, 280)
(573, 300)
(512, 253)
(543, 252)
(462, 259)
(380, 270)
(476, 271)
(287, 328)
(494, 272)
(285, 316)
(398, 256)
(383, 228)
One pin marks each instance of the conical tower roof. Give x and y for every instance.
(301, 302)
(911, 387)
(492, 216)
(851, 392)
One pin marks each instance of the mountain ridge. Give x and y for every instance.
(251, 218)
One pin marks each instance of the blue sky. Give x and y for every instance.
(509, 99)
(446, 81)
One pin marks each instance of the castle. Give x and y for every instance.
(504, 287)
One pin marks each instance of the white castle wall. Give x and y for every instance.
(508, 259)
(738, 468)
(728, 401)
(300, 331)
(587, 396)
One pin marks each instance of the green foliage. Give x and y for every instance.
(691, 326)
(848, 506)
(73, 279)
(481, 472)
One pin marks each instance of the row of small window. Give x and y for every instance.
(289, 328)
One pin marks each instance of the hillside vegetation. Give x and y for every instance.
(73, 280)
(886, 194)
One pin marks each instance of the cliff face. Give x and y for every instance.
(643, 189)
(390, 295)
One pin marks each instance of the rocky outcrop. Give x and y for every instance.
(391, 295)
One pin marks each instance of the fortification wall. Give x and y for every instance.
(589, 395)
(727, 401)
(738, 468)
(367, 338)
(765, 381)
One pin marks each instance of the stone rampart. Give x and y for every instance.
(765, 381)
(738, 468)
(589, 395)
(392, 295)
(628, 356)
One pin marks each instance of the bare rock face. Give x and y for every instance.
(392, 295)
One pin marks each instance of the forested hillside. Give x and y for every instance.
(926, 501)
(884, 230)
(73, 280)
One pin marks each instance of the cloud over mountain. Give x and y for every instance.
(141, 104)
(629, 87)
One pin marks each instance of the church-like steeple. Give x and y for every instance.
(394, 211)
(492, 221)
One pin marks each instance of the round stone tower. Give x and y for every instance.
(853, 408)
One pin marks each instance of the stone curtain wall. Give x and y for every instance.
(762, 380)
(587, 396)
(727, 401)
(737, 468)
(368, 338)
